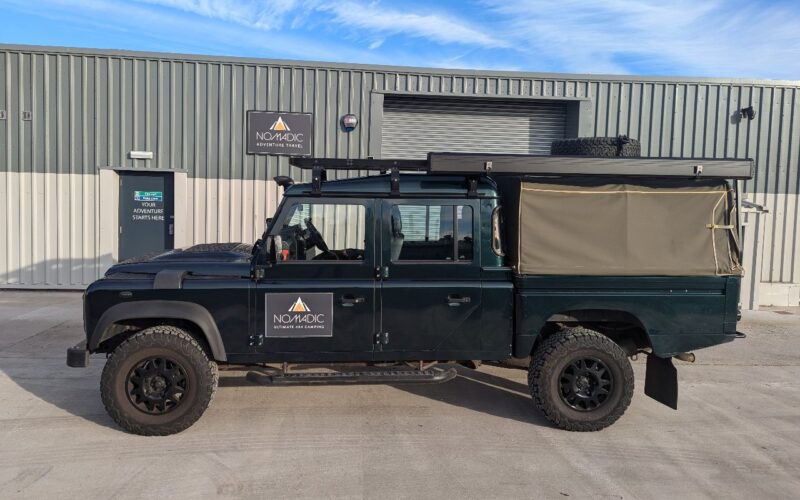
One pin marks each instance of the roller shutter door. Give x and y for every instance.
(413, 126)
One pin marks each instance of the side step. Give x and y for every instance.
(429, 376)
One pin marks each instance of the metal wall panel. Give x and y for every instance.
(413, 126)
(91, 108)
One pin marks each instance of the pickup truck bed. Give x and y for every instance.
(678, 314)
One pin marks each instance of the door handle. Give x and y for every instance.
(457, 300)
(350, 301)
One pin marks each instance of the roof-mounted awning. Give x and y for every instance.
(476, 164)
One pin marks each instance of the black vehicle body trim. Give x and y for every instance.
(166, 309)
(661, 381)
(78, 356)
(169, 279)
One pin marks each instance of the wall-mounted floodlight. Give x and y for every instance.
(349, 122)
(748, 112)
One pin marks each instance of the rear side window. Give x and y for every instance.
(497, 231)
(432, 233)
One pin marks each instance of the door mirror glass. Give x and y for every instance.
(273, 249)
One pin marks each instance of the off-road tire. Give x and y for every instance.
(557, 352)
(176, 344)
(596, 146)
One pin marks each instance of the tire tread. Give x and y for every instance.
(540, 392)
(159, 336)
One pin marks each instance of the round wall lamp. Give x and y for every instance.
(349, 122)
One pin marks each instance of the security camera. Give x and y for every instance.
(748, 112)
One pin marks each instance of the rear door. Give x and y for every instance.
(430, 289)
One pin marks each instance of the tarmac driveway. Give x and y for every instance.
(737, 433)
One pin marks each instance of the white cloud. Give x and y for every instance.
(743, 38)
(371, 18)
(262, 14)
(135, 25)
(620, 36)
(438, 27)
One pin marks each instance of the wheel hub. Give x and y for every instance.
(156, 385)
(585, 384)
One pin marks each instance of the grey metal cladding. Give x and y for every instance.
(91, 107)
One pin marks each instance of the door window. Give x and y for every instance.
(320, 231)
(431, 233)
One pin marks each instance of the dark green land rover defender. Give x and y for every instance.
(576, 262)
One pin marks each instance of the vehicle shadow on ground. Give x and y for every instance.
(483, 392)
(37, 328)
(73, 391)
(474, 390)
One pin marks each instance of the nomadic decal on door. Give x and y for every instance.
(298, 315)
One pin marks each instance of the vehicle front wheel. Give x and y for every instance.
(580, 380)
(158, 382)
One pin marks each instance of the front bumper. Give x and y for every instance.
(78, 356)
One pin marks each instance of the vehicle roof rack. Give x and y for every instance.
(319, 166)
(474, 165)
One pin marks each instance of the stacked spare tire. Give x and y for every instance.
(597, 146)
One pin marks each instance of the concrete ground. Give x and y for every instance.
(736, 435)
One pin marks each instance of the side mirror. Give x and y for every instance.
(274, 247)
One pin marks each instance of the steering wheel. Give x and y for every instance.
(314, 238)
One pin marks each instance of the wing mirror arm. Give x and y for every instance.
(271, 244)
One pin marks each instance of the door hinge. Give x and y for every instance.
(382, 338)
(256, 340)
(382, 272)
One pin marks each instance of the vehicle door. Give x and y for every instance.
(319, 298)
(430, 289)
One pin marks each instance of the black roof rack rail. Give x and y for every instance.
(545, 165)
(359, 164)
(474, 165)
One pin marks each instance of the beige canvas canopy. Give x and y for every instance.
(649, 227)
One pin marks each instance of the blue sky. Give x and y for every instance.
(733, 38)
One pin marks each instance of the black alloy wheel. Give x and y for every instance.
(580, 379)
(159, 381)
(586, 384)
(157, 385)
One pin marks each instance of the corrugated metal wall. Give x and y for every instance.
(90, 108)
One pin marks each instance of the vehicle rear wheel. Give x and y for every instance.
(158, 382)
(580, 380)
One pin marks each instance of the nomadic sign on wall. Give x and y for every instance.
(271, 133)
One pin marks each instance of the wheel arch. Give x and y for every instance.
(162, 309)
(623, 327)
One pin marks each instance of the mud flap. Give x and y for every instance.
(661, 381)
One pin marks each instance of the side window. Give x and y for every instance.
(431, 233)
(497, 231)
(464, 232)
(320, 231)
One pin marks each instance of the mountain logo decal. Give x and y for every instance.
(280, 125)
(299, 306)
